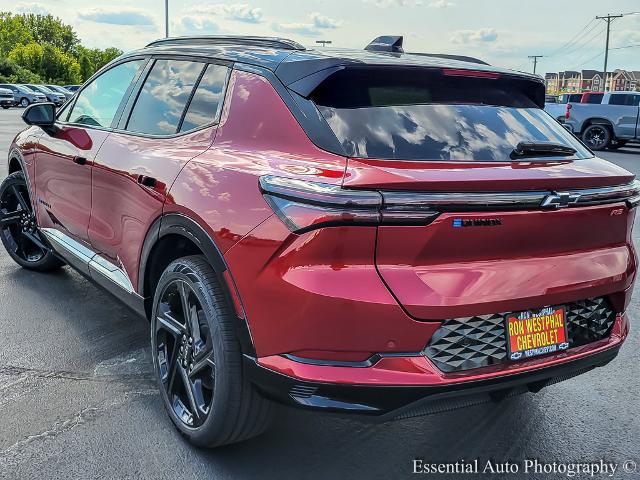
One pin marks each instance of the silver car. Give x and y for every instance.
(24, 96)
(6, 98)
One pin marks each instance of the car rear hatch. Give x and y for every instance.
(493, 206)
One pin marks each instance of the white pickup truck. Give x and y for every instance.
(610, 124)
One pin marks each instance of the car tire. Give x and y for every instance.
(198, 361)
(597, 136)
(24, 102)
(5, 107)
(19, 232)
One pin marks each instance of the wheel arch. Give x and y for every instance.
(173, 236)
(14, 165)
(597, 121)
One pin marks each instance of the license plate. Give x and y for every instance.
(536, 332)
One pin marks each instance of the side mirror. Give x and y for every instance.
(41, 114)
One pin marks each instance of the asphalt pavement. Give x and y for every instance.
(77, 400)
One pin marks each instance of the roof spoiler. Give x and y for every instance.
(386, 43)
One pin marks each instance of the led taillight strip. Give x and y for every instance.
(304, 205)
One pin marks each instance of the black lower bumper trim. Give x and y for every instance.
(398, 402)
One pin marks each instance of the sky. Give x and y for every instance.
(501, 32)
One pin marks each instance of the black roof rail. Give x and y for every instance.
(267, 42)
(386, 43)
(462, 58)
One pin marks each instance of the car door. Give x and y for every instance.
(169, 120)
(64, 159)
(626, 113)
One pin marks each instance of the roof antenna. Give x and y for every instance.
(386, 43)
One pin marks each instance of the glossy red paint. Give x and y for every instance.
(257, 135)
(531, 260)
(62, 183)
(483, 176)
(319, 291)
(123, 208)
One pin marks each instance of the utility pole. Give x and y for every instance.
(535, 61)
(324, 43)
(166, 18)
(607, 18)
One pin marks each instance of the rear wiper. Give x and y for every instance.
(548, 149)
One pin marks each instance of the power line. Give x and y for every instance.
(587, 42)
(572, 40)
(626, 46)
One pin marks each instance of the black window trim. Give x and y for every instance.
(69, 106)
(130, 105)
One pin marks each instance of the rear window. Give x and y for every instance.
(624, 99)
(429, 115)
(595, 98)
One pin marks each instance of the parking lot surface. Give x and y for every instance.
(77, 400)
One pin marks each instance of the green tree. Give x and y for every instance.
(48, 62)
(86, 67)
(12, 33)
(49, 49)
(10, 72)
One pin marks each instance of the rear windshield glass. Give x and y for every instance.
(418, 115)
(595, 97)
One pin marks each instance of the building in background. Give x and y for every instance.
(571, 81)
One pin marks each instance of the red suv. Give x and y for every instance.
(372, 232)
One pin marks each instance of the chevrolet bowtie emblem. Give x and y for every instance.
(559, 200)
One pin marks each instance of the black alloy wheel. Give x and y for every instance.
(19, 229)
(184, 353)
(597, 137)
(198, 360)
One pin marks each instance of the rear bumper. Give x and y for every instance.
(407, 386)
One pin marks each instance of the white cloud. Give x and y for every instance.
(394, 3)
(322, 21)
(474, 36)
(441, 4)
(298, 28)
(309, 29)
(118, 16)
(240, 12)
(190, 24)
(33, 7)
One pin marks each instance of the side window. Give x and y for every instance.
(164, 96)
(98, 102)
(206, 104)
(618, 99)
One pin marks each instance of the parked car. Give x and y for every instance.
(345, 231)
(592, 97)
(67, 94)
(24, 96)
(609, 125)
(565, 98)
(54, 97)
(7, 99)
(558, 108)
(550, 99)
(72, 88)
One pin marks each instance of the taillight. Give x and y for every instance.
(303, 205)
(459, 72)
(567, 111)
